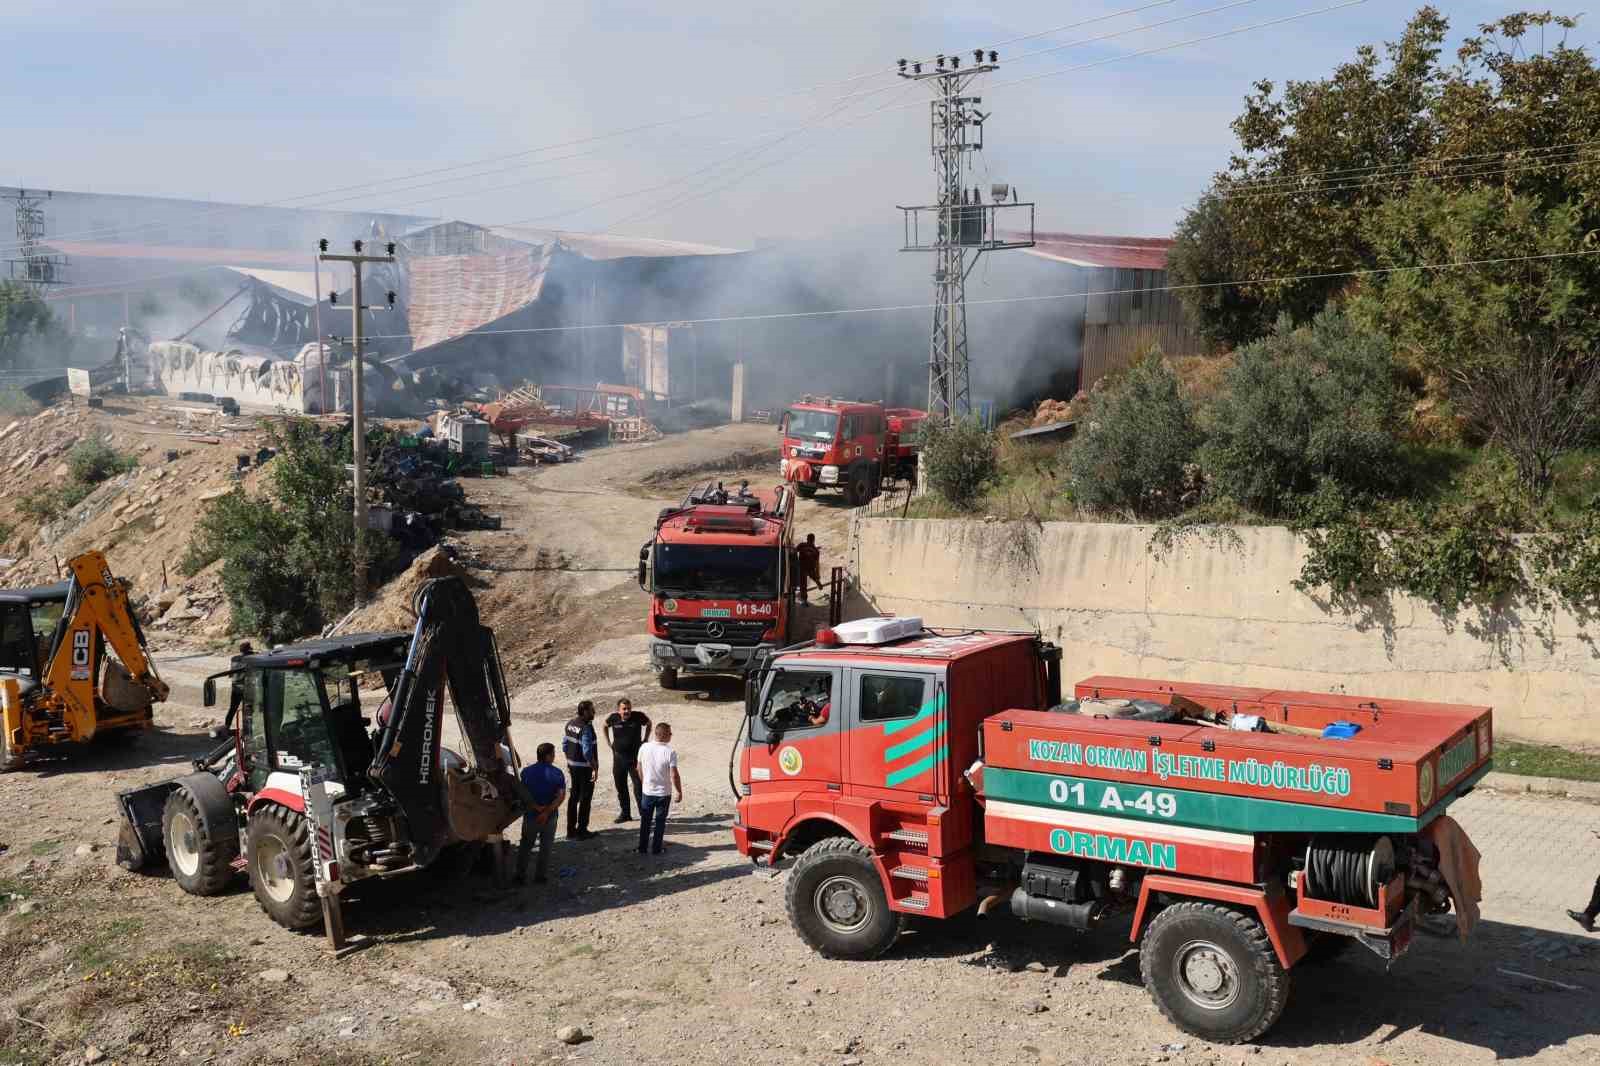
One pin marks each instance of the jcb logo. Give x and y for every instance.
(80, 648)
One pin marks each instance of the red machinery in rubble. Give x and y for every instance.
(616, 409)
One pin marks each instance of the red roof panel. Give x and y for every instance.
(1094, 250)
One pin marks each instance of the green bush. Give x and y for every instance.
(959, 460)
(94, 460)
(288, 556)
(1135, 444)
(1301, 406)
(46, 503)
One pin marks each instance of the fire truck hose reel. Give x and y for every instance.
(1352, 872)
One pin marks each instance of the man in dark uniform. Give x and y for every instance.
(579, 745)
(626, 730)
(1587, 916)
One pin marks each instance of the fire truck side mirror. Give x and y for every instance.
(644, 567)
(752, 693)
(208, 692)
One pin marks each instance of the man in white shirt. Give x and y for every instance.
(657, 769)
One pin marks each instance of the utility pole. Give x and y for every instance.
(957, 222)
(32, 267)
(358, 426)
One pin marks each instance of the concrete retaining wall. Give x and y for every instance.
(1227, 614)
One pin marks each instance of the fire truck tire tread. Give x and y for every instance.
(668, 678)
(806, 491)
(213, 869)
(836, 857)
(859, 489)
(1263, 983)
(291, 833)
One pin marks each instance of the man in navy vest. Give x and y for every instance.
(581, 747)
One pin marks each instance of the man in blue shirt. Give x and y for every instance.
(581, 747)
(548, 787)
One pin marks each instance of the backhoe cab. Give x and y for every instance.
(58, 684)
(309, 793)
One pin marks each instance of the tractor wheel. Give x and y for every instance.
(281, 874)
(1213, 972)
(200, 865)
(837, 904)
(806, 491)
(668, 677)
(859, 490)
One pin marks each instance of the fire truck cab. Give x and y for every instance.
(718, 570)
(851, 446)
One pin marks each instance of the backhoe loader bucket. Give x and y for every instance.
(139, 843)
(121, 692)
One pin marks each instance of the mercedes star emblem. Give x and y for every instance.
(714, 629)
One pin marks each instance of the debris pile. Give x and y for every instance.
(1050, 412)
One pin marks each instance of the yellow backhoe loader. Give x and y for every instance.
(57, 684)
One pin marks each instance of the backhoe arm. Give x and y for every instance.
(97, 608)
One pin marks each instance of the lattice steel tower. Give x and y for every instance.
(31, 266)
(958, 223)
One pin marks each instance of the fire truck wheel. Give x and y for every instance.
(668, 677)
(859, 491)
(280, 867)
(837, 904)
(806, 491)
(200, 865)
(1213, 972)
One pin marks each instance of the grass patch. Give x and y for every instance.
(100, 948)
(43, 847)
(1545, 760)
(15, 403)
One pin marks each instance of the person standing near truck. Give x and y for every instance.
(548, 788)
(580, 747)
(658, 777)
(626, 730)
(809, 558)
(1587, 916)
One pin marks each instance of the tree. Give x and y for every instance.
(288, 556)
(1137, 440)
(1515, 340)
(25, 320)
(1303, 406)
(959, 460)
(1318, 159)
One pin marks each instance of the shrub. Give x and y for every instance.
(46, 503)
(288, 557)
(959, 460)
(94, 460)
(1134, 442)
(1305, 405)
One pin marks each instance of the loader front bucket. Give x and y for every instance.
(139, 843)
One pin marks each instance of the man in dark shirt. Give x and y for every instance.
(808, 559)
(626, 730)
(548, 788)
(578, 744)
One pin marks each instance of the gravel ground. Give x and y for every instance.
(688, 957)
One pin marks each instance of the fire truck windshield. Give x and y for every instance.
(733, 571)
(815, 425)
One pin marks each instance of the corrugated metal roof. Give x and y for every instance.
(179, 254)
(450, 295)
(609, 245)
(1095, 250)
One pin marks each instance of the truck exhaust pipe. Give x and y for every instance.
(1080, 916)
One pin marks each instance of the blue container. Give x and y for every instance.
(1340, 730)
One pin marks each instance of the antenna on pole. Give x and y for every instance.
(957, 223)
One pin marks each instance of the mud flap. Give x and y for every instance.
(139, 843)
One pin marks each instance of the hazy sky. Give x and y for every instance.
(256, 102)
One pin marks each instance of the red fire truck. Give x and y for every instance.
(718, 573)
(910, 771)
(851, 446)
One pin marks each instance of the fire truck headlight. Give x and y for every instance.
(663, 651)
(830, 475)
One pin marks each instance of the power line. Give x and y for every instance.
(376, 184)
(901, 106)
(888, 308)
(1380, 169)
(1147, 26)
(1479, 170)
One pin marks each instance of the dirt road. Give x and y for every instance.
(688, 957)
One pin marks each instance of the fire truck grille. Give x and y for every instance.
(715, 631)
